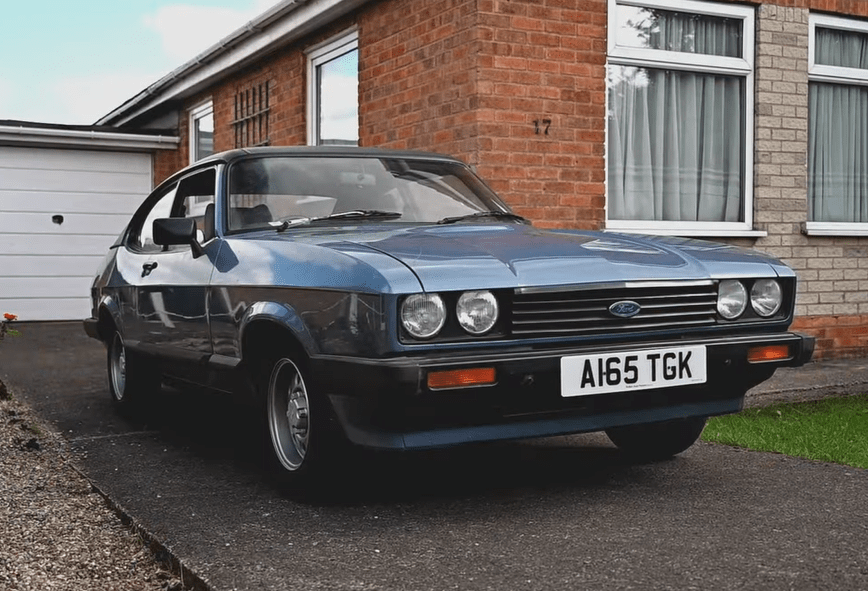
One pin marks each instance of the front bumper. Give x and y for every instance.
(385, 403)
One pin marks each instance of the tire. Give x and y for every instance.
(657, 441)
(130, 380)
(303, 441)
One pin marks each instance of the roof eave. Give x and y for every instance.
(23, 134)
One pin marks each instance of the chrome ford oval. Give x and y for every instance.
(624, 309)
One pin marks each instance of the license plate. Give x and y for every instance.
(582, 375)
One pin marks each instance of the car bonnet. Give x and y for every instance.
(513, 255)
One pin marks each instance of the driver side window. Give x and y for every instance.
(144, 240)
(192, 197)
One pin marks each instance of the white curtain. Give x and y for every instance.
(676, 138)
(838, 133)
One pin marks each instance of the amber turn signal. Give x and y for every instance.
(461, 378)
(768, 353)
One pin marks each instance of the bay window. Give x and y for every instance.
(680, 117)
(838, 126)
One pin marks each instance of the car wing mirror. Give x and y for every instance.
(177, 231)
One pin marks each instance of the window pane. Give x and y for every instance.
(204, 134)
(266, 189)
(676, 145)
(652, 28)
(847, 49)
(338, 103)
(144, 236)
(838, 153)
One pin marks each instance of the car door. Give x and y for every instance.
(170, 283)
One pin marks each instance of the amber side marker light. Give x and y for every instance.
(768, 353)
(461, 378)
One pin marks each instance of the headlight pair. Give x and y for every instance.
(766, 298)
(423, 315)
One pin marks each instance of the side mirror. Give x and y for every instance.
(177, 231)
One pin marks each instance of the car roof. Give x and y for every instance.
(313, 151)
(230, 156)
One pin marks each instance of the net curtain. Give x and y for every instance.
(676, 138)
(838, 133)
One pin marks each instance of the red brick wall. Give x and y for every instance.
(166, 162)
(285, 74)
(515, 87)
(417, 76)
(838, 337)
(542, 103)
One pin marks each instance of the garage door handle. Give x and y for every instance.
(147, 268)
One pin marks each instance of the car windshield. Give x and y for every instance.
(266, 191)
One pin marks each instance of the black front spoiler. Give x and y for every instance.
(385, 403)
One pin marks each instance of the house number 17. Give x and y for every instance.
(541, 126)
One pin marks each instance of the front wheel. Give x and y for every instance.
(289, 415)
(302, 437)
(657, 441)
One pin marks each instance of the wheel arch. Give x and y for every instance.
(108, 318)
(269, 328)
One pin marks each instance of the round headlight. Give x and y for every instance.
(423, 315)
(477, 311)
(731, 299)
(766, 297)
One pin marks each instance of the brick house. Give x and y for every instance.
(745, 122)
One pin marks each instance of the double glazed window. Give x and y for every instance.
(333, 92)
(201, 131)
(838, 127)
(680, 116)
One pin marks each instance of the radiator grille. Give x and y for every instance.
(580, 312)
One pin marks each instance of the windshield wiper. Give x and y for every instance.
(484, 214)
(341, 215)
(360, 214)
(282, 225)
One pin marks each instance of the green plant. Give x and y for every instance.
(829, 430)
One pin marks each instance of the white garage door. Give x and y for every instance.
(60, 210)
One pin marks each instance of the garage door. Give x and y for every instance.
(60, 210)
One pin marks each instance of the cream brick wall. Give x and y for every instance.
(833, 272)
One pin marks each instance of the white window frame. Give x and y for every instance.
(316, 56)
(836, 75)
(620, 55)
(200, 111)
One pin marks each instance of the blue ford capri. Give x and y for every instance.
(391, 300)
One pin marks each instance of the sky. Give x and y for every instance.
(73, 61)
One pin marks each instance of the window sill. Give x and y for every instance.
(834, 229)
(692, 233)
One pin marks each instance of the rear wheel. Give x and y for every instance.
(657, 441)
(129, 378)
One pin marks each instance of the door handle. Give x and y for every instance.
(147, 268)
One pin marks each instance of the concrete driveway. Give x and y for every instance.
(563, 513)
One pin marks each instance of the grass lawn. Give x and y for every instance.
(830, 430)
